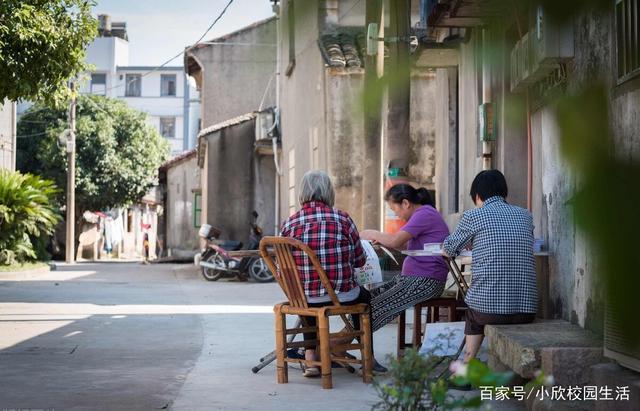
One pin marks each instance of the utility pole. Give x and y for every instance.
(71, 179)
(397, 145)
(373, 171)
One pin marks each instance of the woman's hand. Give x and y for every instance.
(370, 235)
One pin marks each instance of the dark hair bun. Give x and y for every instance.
(424, 197)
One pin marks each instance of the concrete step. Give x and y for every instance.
(558, 347)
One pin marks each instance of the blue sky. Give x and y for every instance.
(160, 29)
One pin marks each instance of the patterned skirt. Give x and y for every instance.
(395, 296)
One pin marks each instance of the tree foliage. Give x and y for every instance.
(42, 45)
(26, 213)
(117, 152)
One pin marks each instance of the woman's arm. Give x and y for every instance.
(397, 240)
(464, 233)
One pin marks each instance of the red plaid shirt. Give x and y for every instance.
(333, 236)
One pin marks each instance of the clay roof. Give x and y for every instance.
(180, 157)
(235, 33)
(227, 123)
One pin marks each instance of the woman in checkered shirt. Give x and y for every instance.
(334, 238)
(503, 287)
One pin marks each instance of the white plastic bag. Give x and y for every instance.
(370, 272)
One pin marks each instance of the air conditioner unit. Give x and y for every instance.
(264, 124)
(540, 51)
(615, 346)
(521, 64)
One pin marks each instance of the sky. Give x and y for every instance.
(160, 29)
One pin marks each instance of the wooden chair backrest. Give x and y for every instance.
(286, 271)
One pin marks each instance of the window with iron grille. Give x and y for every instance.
(168, 85)
(168, 127)
(627, 38)
(99, 83)
(197, 209)
(133, 82)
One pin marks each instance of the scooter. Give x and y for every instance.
(215, 261)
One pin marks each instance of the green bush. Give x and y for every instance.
(26, 214)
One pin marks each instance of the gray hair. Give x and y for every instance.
(316, 186)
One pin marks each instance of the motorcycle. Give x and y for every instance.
(215, 261)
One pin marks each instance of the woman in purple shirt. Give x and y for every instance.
(422, 278)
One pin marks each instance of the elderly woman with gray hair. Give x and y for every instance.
(333, 236)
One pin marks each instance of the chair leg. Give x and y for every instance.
(416, 341)
(325, 351)
(365, 352)
(402, 319)
(282, 369)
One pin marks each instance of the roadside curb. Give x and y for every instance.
(26, 273)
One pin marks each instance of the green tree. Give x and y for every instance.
(118, 153)
(26, 213)
(42, 45)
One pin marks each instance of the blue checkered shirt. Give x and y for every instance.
(504, 275)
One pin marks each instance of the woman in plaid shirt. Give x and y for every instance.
(503, 287)
(334, 238)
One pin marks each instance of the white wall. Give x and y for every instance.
(7, 133)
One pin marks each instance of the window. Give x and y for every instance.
(132, 87)
(99, 84)
(627, 38)
(197, 209)
(168, 85)
(168, 127)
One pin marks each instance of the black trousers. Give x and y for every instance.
(363, 297)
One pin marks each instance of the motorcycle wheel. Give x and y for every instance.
(211, 274)
(259, 271)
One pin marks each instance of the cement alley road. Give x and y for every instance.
(117, 336)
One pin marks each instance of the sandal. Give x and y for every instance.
(310, 372)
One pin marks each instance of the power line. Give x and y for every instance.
(180, 53)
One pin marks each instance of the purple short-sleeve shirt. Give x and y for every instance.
(425, 226)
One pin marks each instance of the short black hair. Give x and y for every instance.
(487, 184)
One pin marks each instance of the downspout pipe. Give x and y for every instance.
(486, 95)
(276, 119)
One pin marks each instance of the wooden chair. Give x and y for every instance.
(452, 304)
(286, 273)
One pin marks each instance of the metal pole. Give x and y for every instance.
(71, 179)
(373, 174)
(397, 144)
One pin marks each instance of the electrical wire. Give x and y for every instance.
(177, 55)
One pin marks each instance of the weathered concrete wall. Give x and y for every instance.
(238, 182)
(302, 96)
(422, 130)
(446, 132)
(264, 171)
(236, 77)
(468, 99)
(345, 135)
(322, 120)
(576, 288)
(182, 181)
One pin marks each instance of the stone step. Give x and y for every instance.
(557, 347)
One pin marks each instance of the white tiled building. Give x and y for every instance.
(162, 92)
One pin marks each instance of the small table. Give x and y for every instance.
(542, 275)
